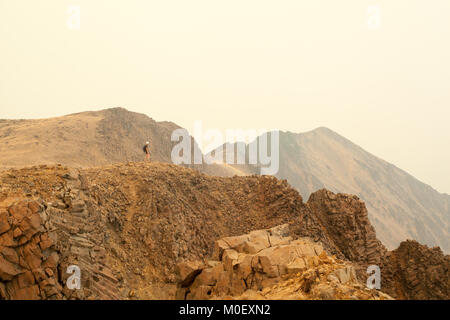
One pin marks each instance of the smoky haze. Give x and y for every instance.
(292, 65)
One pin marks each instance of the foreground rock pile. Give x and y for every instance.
(128, 226)
(270, 264)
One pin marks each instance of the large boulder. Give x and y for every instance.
(270, 264)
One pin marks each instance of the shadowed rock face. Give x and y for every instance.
(127, 226)
(414, 271)
(346, 222)
(121, 134)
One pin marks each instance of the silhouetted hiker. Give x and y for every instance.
(146, 149)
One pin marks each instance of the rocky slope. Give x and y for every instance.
(127, 226)
(84, 139)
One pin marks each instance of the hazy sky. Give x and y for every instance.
(288, 64)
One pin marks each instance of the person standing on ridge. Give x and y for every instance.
(146, 149)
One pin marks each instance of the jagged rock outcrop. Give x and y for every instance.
(345, 219)
(414, 271)
(270, 264)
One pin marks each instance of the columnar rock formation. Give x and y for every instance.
(39, 241)
(414, 271)
(345, 219)
(28, 259)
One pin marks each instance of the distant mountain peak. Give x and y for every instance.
(318, 130)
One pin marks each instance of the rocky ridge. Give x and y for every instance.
(400, 207)
(127, 226)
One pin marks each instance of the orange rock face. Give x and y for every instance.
(26, 268)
